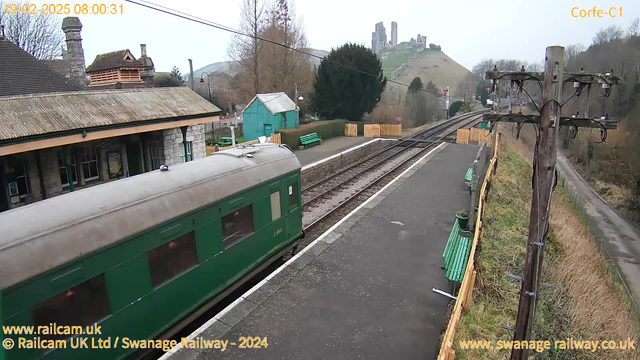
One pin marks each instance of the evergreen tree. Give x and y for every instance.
(340, 92)
(416, 85)
(175, 72)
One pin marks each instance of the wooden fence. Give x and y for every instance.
(372, 130)
(274, 139)
(390, 130)
(351, 130)
(474, 134)
(462, 136)
(463, 302)
(479, 135)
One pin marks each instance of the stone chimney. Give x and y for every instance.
(74, 56)
(149, 70)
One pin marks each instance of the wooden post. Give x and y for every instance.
(466, 304)
(545, 160)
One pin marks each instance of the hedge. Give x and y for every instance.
(326, 129)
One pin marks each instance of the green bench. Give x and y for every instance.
(468, 177)
(456, 253)
(310, 139)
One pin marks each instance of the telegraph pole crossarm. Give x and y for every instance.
(548, 123)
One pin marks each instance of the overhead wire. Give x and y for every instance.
(189, 17)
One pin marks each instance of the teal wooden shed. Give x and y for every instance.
(267, 113)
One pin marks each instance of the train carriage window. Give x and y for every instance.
(172, 259)
(236, 226)
(293, 195)
(275, 206)
(83, 305)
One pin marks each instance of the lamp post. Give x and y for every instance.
(296, 100)
(208, 83)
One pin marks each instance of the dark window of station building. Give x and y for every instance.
(172, 259)
(83, 305)
(293, 195)
(236, 226)
(62, 168)
(17, 178)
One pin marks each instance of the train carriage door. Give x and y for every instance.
(294, 217)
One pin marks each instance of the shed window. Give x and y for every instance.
(236, 226)
(172, 259)
(275, 206)
(83, 305)
(293, 195)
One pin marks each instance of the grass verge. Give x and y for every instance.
(588, 301)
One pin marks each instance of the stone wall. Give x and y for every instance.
(313, 174)
(174, 149)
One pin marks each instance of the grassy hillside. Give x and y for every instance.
(394, 60)
(428, 65)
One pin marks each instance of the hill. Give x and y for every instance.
(228, 68)
(434, 65)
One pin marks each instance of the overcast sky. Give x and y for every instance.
(468, 30)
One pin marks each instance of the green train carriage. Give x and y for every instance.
(140, 254)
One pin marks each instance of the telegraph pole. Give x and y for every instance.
(543, 184)
(549, 123)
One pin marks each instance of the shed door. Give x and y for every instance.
(268, 130)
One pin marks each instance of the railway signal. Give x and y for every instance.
(547, 123)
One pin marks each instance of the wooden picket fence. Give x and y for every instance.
(372, 130)
(351, 130)
(274, 139)
(463, 302)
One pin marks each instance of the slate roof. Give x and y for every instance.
(21, 73)
(59, 66)
(276, 102)
(113, 60)
(31, 115)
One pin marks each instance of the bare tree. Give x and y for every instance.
(571, 52)
(38, 34)
(245, 51)
(634, 28)
(467, 87)
(610, 34)
(285, 67)
(481, 68)
(534, 67)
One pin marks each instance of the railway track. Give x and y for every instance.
(335, 193)
(347, 189)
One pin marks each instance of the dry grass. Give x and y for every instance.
(588, 303)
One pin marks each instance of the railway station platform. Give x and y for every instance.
(328, 148)
(363, 289)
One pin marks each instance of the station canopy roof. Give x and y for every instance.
(41, 114)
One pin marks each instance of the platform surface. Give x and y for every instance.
(328, 147)
(365, 289)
